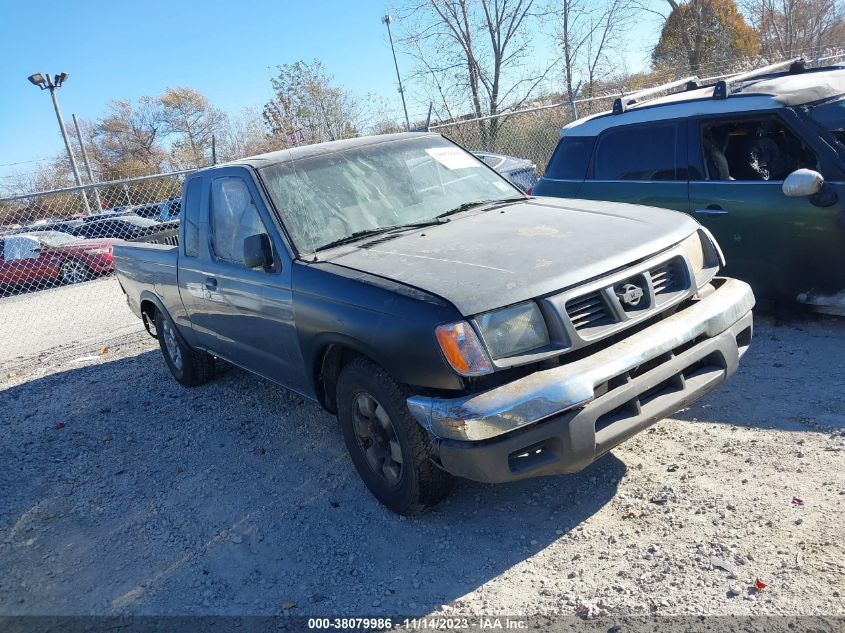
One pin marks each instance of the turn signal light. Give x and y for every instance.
(463, 349)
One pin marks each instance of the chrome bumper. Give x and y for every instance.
(550, 392)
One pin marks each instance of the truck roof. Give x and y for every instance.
(764, 92)
(319, 149)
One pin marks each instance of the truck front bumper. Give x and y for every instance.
(560, 420)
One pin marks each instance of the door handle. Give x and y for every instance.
(211, 283)
(712, 209)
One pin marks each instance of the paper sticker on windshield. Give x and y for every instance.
(451, 157)
(501, 186)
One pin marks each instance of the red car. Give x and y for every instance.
(51, 256)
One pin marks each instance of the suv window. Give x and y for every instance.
(193, 193)
(234, 218)
(642, 152)
(752, 149)
(571, 157)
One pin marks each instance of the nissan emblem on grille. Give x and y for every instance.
(631, 295)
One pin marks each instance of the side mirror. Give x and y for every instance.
(257, 251)
(802, 183)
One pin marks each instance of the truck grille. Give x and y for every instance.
(588, 311)
(666, 277)
(625, 298)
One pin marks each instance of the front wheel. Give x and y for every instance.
(390, 451)
(189, 367)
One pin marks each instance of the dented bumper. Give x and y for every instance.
(561, 419)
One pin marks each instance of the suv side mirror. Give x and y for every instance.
(257, 251)
(802, 183)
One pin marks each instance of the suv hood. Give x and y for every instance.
(489, 259)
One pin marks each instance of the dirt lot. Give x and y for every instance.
(124, 493)
(44, 321)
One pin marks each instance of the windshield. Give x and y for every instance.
(324, 199)
(831, 116)
(55, 238)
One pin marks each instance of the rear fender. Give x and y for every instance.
(147, 297)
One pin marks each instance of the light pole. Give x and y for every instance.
(387, 20)
(45, 82)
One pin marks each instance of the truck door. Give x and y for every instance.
(782, 246)
(243, 315)
(640, 164)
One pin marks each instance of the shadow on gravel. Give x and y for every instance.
(791, 379)
(125, 493)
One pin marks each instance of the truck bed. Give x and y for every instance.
(142, 268)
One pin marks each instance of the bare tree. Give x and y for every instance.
(379, 116)
(129, 138)
(792, 27)
(589, 33)
(191, 122)
(245, 134)
(474, 53)
(305, 97)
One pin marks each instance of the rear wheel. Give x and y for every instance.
(189, 367)
(74, 271)
(389, 449)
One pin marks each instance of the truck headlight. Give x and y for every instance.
(512, 330)
(703, 256)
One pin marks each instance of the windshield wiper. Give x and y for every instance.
(393, 228)
(478, 203)
(354, 237)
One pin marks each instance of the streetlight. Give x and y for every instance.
(387, 20)
(45, 82)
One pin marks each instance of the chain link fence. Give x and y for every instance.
(57, 285)
(533, 133)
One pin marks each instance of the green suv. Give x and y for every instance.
(758, 159)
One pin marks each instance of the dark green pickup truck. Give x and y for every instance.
(758, 159)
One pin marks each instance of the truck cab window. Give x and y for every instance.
(758, 149)
(234, 217)
(193, 193)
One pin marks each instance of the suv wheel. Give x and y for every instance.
(189, 367)
(391, 452)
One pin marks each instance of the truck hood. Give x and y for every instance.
(489, 259)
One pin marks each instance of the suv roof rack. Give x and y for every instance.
(620, 104)
(724, 88)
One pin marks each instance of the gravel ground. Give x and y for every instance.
(125, 493)
(38, 323)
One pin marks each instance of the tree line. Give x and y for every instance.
(471, 59)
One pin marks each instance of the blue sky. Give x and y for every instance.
(226, 50)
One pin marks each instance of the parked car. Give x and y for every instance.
(521, 172)
(62, 226)
(456, 326)
(165, 211)
(50, 256)
(759, 159)
(126, 227)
